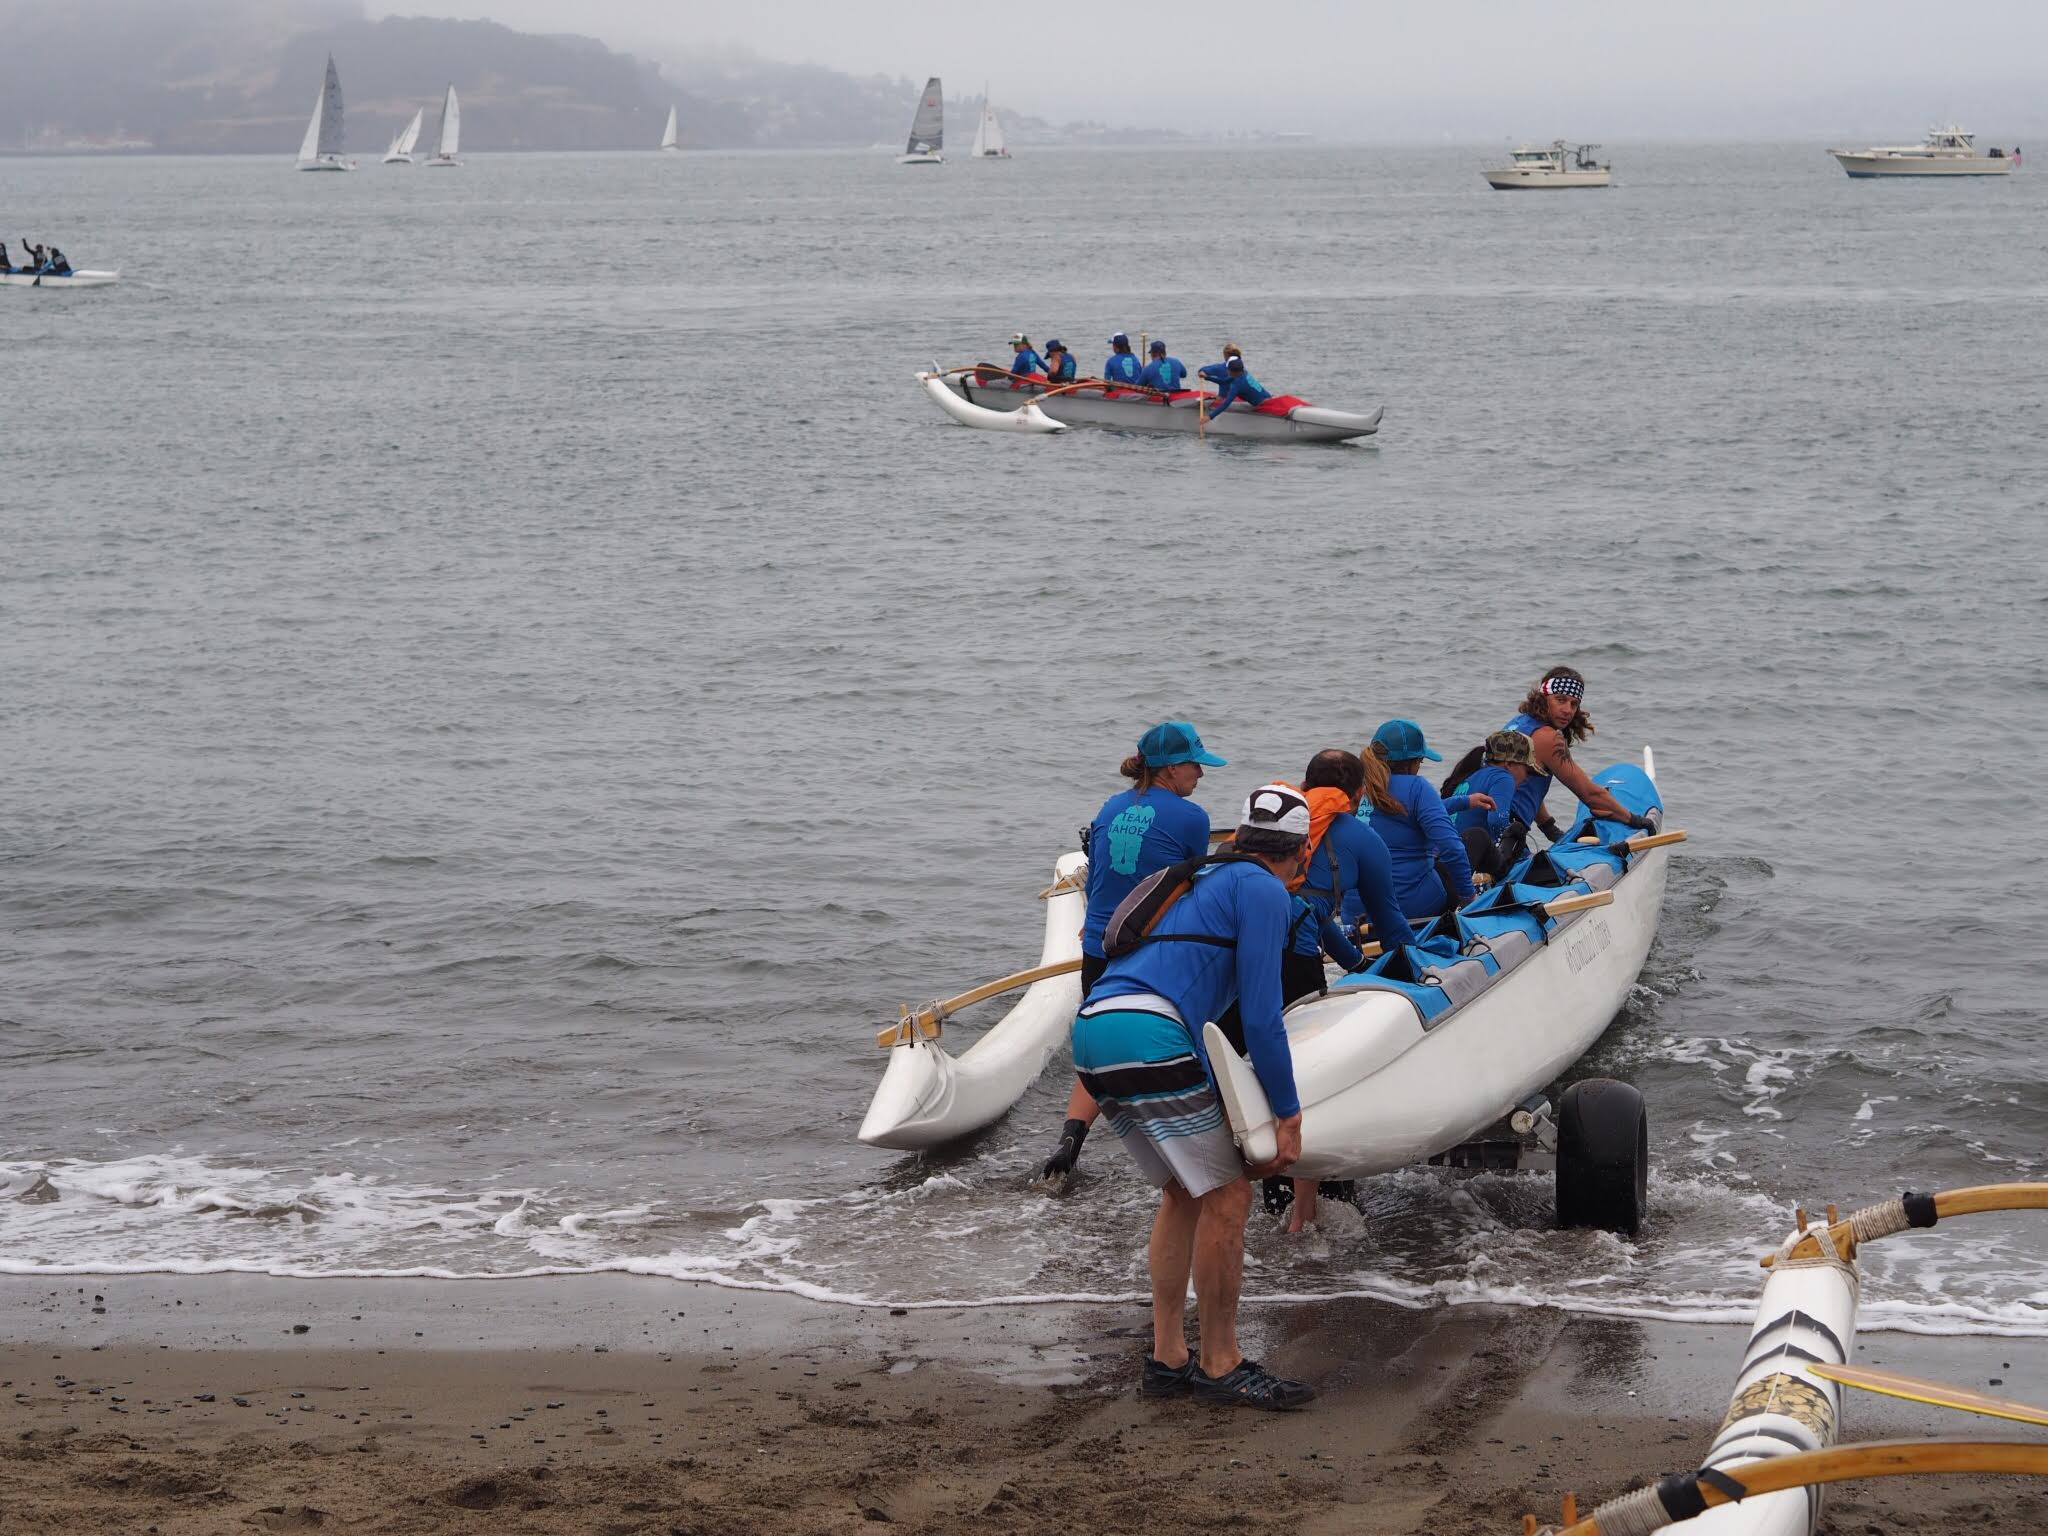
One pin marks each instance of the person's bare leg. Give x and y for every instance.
(1304, 1210)
(1172, 1250)
(1219, 1273)
(1081, 1104)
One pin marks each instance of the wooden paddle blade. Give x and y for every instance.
(1939, 1394)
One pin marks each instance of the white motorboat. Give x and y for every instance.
(927, 128)
(1285, 418)
(1447, 1035)
(407, 138)
(320, 150)
(1557, 167)
(1946, 152)
(670, 140)
(17, 277)
(928, 1097)
(451, 132)
(988, 134)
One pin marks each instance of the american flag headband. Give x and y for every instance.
(1565, 688)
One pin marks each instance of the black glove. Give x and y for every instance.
(1067, 1153)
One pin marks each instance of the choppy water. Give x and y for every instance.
(507, 681)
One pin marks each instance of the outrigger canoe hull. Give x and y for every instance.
(75, 279)
(927, 1098)
(1092, 408)
(1385, 1084)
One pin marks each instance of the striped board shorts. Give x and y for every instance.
(1134, 1055)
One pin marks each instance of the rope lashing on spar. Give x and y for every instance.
(1908, 1212)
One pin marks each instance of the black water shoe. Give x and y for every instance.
(1253, 1386)
(1168, 1380)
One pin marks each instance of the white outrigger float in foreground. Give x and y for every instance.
(983, 394)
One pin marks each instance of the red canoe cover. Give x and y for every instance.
(1280, 405)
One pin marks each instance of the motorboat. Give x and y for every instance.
(1945, 152)
(928, 1097)
(22, 277)
(450, 137)
(320, 150)
(989, 388)
(1463, 1026)
(403, 143)
(927, 128)
(1554, 168)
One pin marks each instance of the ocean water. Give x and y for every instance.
(508, 681)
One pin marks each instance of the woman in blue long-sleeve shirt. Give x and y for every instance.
(1431, 872)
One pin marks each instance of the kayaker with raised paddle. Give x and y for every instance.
(1554, 718)
(1137, 1049)
(1139, 830)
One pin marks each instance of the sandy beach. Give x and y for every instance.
(611, 1404)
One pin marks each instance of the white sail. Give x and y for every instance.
(928, 127)
(668, 134)
(409, 136)
(329, 115)
(451, 126)
(988, 133)
(309, 147)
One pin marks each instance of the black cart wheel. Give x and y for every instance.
(1603, 1157)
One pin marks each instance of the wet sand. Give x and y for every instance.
(617, 1405)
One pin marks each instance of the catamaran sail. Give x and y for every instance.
(408, 137)
(988, 133)
(928, 128)
(451, 131)
(668, 134)
(321, 148)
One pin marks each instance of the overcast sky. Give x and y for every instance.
(1477, 69)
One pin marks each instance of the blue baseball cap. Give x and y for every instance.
(1055, 345)
(1236, 364)
(1175, 742)
(1119, 337)
(1157, 346)
(1402, 740)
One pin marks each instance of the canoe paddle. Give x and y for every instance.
(922, 1023)
(1938, 1394)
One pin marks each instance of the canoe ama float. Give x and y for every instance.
(1284, 418)
(76, 279)
(927, 1098)
(1430, 1045)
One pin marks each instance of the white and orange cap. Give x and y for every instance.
(1275, 808)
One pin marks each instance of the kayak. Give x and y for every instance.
(928, 1097)
(18, 278)
(1435, 1042)
(1134, 411)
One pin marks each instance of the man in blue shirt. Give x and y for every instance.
(1059, 362)
(1027, 360)
(1138, 1049)
(1238, 385)
(1122, 367)
(1494, 839)
(1163, 372)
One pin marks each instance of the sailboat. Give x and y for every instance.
(668, 135)
(988, 134)
(451, 131)
(402, 144)
(321, 148)
(927, 129)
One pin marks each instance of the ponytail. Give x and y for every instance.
(1377, 779)
(1135, 769)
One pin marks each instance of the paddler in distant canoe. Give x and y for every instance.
(1139, 830)
(1027, 361)
(1163, 373)
(1217, 373)
(1238, 384)
(1122, 367)
(1059, 362)
(1138, 1053)
(1554, 717)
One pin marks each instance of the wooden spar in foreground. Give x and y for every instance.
(1910, 1210)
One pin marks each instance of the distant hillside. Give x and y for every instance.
(198, 76)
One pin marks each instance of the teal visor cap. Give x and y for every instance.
(1175, 742)
(1403, 740)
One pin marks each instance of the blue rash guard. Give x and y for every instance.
(1133, 835)
(1167, 373)
(1122, 368)
(1215, 373)
(1239, 386)
(1027, 361)
(1365, 873)
(1490, 780)
(1418, 841)
(1064, 373)
(1243, 902)
(1533, 790)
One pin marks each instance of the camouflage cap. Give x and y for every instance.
(1507, 747)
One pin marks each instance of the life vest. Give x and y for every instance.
(1135, 917)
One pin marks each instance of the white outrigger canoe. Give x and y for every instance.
(927, 1098)
(17, 278)
(1429, 1046)
(994, 389)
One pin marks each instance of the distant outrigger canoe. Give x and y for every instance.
(22, 278)
(1285, 418)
